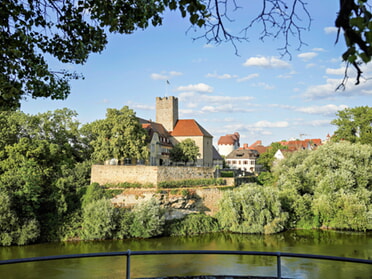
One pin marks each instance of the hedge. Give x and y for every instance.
(191, 183)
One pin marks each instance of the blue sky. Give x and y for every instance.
(257, 93)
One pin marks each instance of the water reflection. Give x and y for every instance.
(344, 244)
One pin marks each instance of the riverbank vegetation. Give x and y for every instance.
(45, 193)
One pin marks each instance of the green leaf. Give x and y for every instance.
(194, 18)
(365, 57)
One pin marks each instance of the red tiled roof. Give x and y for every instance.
(229, 139)
(301, 144)
(257, 143)
(189, 127)
(260, 148)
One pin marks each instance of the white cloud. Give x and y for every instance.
(287, 75)
(251, 76)
(318, 123)
(199, 60)
(192, 105)
(143, 107)
(310, 65)
(187, 112)
(328, 90)
(200, 87)
(268, 124)
(204, 104)
(319, 49)
(227, 108)
(264, 85)
(209, 109)
(224, 99)
(324, 110)
(165, 75)
(339, 71)
(307, 55)
(266, 62)
(174, 73)
(227, 119)
(367, 91)
(223, 76)
(335, 60)
(156, 76)
(330, 30)
(330, 109)
(208, 46)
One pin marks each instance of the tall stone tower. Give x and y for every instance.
(167, 111)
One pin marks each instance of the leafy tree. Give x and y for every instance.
(328, 187)
(124, 223)
(354, 125)
(67, 32)
(252, 209)
(99, 220)
(94, 192)
(41, 170)
(64, 30)
(267, 159)
(13, 230)
(119, 136)
(148, 220)
(176, 154)
(185, 151)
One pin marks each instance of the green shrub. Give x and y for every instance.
(129, 185)
(191, 183)
(192, 224)
(185, 193)
(93, 193)
(173, 192)
(124, 222)
(252, 209)
(99, 220)
(148, 220)
(12, 229)
(227, 174)
(328, 187)
(71, 228)
(113, 192)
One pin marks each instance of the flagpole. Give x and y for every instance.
(166, 88)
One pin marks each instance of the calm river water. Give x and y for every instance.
(345, 244)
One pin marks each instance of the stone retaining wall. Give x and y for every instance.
(112, 174)
(104, 174)
(177, 206)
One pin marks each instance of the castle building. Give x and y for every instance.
(159, 143)
(167, 112)
(168, 130)
(190, 128)
(228, 143)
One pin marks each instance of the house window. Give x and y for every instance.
(245, 162)
(233, 162)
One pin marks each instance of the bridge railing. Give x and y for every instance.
(129, 254)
